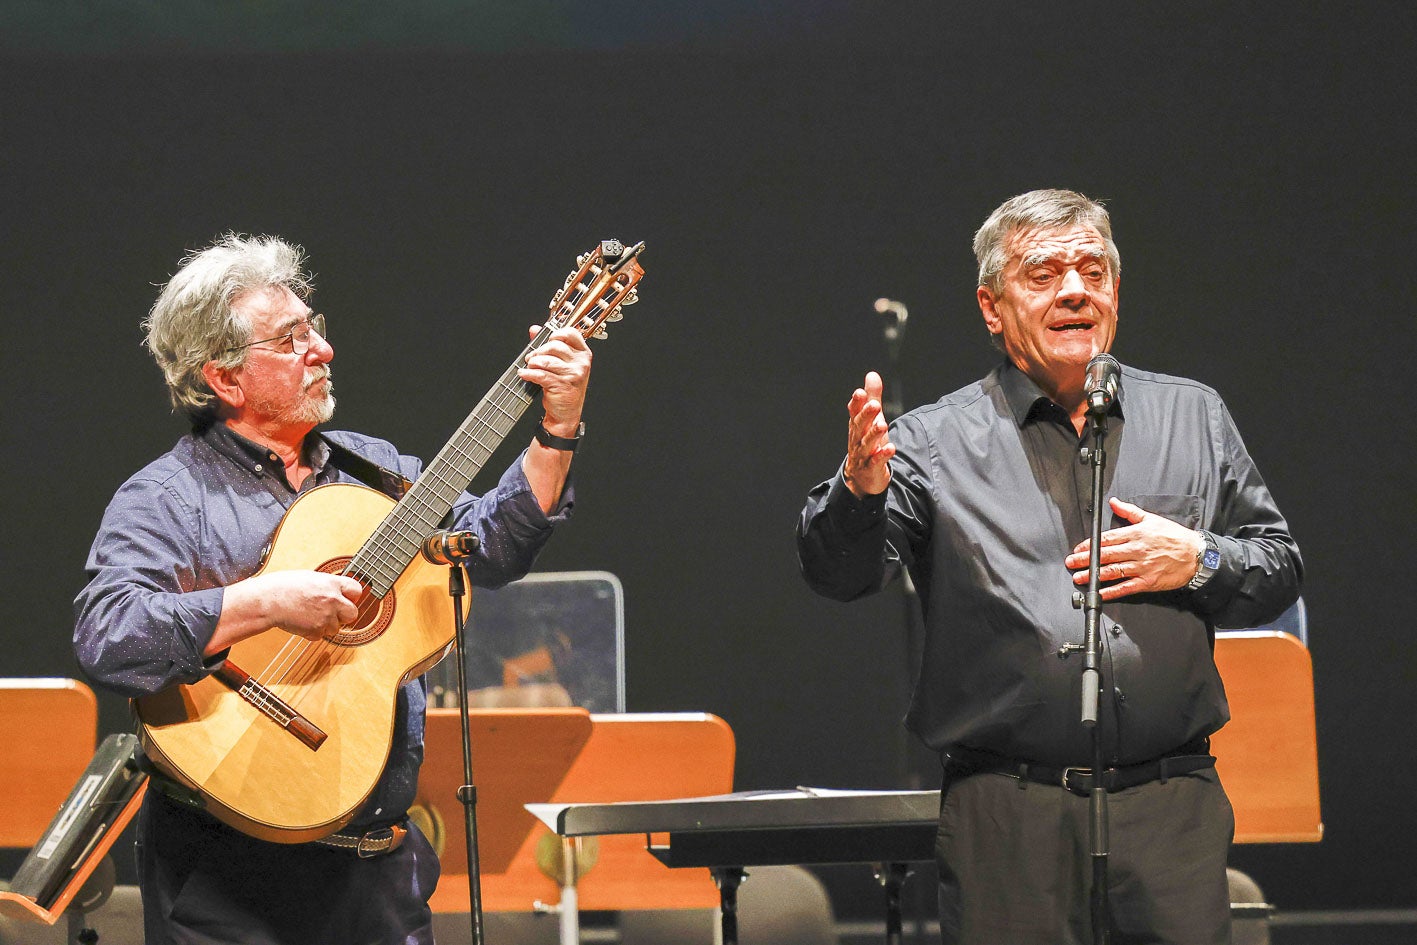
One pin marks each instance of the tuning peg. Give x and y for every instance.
(580, 260)
(599, 333)
(631, 298)
(614, 315)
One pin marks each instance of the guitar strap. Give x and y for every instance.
(366, 471)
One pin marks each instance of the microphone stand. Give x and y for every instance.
(456, 558)
(1091, 602)
(892, 406)
(892, 876)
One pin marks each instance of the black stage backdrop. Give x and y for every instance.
(786, 168)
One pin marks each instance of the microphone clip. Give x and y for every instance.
(449, 547)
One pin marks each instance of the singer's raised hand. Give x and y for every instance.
(868, 443)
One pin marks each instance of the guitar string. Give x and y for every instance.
(396, 535)
(311, 657)
(399, 537)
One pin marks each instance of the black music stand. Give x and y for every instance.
(764, 828)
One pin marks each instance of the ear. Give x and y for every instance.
(990, 311)
(224, 384)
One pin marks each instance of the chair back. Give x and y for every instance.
(48, 730)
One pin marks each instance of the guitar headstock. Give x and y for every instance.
(597, 292)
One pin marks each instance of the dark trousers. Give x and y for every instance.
(206, 884)
(1015, 870)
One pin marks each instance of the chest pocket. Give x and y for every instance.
(1185, 509)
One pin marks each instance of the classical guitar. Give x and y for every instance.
(288, 738)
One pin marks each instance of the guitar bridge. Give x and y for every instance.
(270, 705)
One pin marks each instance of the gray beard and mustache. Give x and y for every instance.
(307, 409)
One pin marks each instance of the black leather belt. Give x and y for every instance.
(371, 843)
(1193, 756)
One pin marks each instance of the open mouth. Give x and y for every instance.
(1072, 326)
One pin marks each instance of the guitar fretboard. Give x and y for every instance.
(393, 545)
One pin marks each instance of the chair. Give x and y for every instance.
(777, 905)
(1249, 912)
(1294, 621)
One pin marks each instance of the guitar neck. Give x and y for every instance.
(395, 543)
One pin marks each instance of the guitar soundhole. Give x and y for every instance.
(375, 614)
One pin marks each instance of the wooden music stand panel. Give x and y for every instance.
(628, 757)
(516, 754)
(50, 730)
(22, 907)
(1267, 755)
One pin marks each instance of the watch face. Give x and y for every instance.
(1211, 559)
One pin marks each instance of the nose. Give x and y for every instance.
(1073, 291)
(320, 350)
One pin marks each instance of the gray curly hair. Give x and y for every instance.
(1038, 209)
(192, 323)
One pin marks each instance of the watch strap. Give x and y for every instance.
(1207, 562)
(551, 441)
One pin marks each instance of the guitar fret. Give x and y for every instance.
(396, 541)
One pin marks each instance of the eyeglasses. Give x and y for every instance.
(298, 336)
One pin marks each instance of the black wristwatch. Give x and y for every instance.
(550, 440)
(1207, 560)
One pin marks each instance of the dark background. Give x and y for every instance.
(787, 164)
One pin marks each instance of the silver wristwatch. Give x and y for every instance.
(1207, 560)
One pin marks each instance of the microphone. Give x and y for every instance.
(449, 547)
(1104, 380)
(892, 308)
(895, 322)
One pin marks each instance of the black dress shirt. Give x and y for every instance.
(988, 496)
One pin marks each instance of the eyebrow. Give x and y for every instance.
(1040, 256)
(289, 326)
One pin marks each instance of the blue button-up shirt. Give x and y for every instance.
(199, 517)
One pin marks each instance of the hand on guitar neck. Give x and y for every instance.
(310, 603)
(561, 368)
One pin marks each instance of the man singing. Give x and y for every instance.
(982, 497)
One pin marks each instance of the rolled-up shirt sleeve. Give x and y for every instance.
(510, 526)
(144, 618)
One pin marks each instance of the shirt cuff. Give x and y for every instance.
(1217, 592)
(850, 515)
(197, 616)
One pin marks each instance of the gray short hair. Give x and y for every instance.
(192, 323)
(1037, 209)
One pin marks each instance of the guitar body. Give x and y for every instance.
(255, 774)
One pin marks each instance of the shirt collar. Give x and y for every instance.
(1027, 401)
(259, 459)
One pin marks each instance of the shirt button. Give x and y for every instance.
(258, 467)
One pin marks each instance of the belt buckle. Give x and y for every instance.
(375, 842)
(1068, 771)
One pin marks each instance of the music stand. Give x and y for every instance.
(728, 832)
(520, 753)
(627, 757)
(58, 773)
